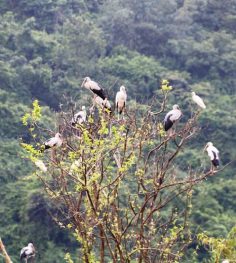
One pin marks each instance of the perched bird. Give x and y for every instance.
(104, 104)
(53, 142)
(94, 87)
(171, 117)
(40, 164)
(79, 117)
(75, 165)
(213, 153)
(198, 100)
(27, 252)
(121, 97)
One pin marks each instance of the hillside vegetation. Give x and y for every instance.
(48, 47)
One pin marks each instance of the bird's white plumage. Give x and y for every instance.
(94, 88)
(28, 251)
(74, 166)
(90, 84)
(171, 117)
(212, 151)
(80, 116)
(198, 100)
(174, 114)
(54, 141)
(121, 97)
(102, 103)
(40, 164)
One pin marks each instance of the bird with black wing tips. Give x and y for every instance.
(94, 87)
(79, 117)
(53, 142)
(103, 104)
(27, 252)
(213, 153)
(171, 117)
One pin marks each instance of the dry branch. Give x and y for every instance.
(4, 252)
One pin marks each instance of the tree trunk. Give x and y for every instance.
(4, 252)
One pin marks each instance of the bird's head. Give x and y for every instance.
(207, 145)
(83, 108)
(122, 88)
(30, 245)
(175, 107)
(86, 79)
(58, 135)
(193, 93)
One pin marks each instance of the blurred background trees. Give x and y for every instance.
(48, 47)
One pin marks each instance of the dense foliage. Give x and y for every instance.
(48, 47)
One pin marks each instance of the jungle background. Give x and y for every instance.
(48, 47)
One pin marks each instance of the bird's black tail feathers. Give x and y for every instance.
(168, 124)
(215, 162)
(22, 257)
(44, 147)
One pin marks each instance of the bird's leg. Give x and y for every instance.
(174, 128)
(110, 129)
(91, 110)
(117, 158)
(170, 132)
(53, 154)
(212, 168)
(123, 114)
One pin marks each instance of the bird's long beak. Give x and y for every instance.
(205, 148)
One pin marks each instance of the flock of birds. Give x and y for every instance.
(100, 98)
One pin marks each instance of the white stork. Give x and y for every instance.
(213, 153)
(121, 97)
(171, 117)
(75, 165)
(198, 100)
(104, 104)
(94, 87)
(79, 117)
(40, 164)
(53, 142)
(27, 252)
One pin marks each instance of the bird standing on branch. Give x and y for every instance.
(94, 87)
(104, 104)
(213, 153)
(40, 164)
(198, 100)
(121, 97)
(53, 142)
(171, 117)
(79, 117)
(27, 252)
